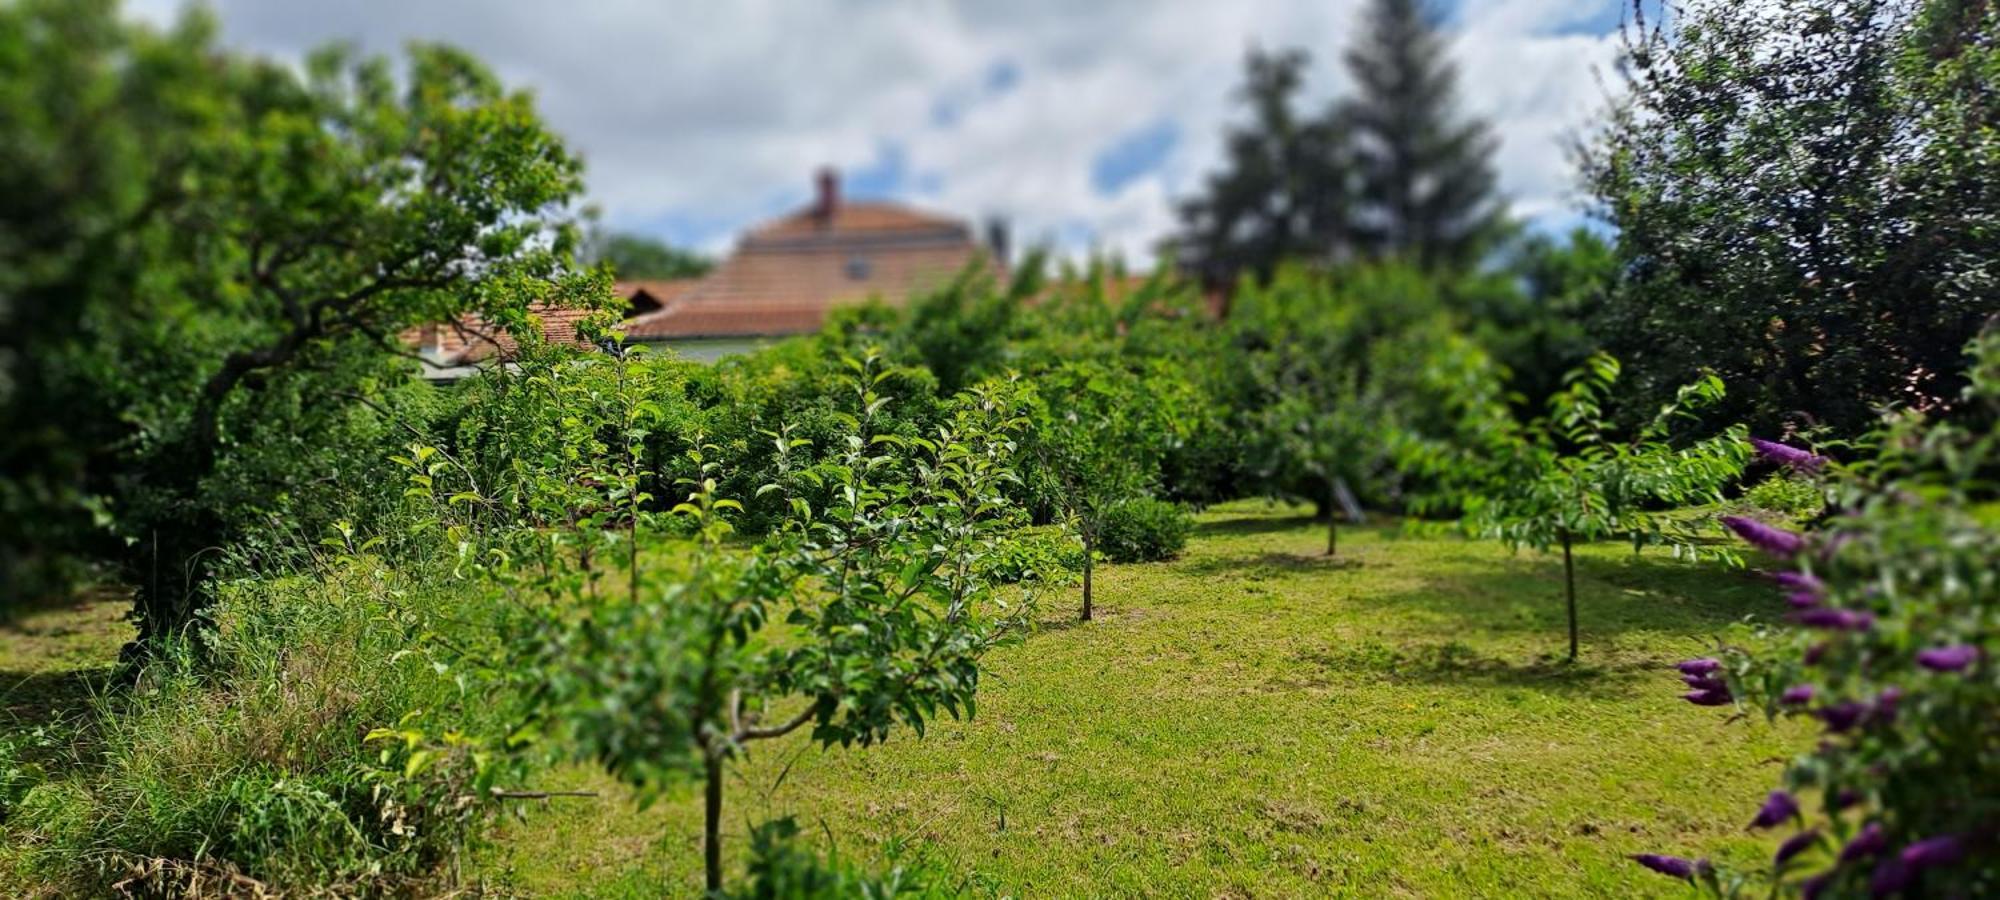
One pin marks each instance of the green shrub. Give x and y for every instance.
(1786, 494)
(1034, 555)
(258, 762)
(1145, 530)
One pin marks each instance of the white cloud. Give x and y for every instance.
(697, 119)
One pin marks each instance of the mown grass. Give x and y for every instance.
(1254, 720)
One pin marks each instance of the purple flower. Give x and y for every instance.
(1775, 541)
(1942, 850)
(1802, 600)
(1885, 704)
(1797, 695)
(1795, 845)
(1842, 717)
(1835, 619)
(1810, 888)
(1785, 455)
(1705, 683)
(1703, 666)
(1813, 653)
(1845, 798)
(1777, 808)
(1953, 658)
(1709, 698)
(1676, 866)
(1890, 877)
(1868, 843)
(1799, 581)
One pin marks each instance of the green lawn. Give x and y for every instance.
(1254, 720)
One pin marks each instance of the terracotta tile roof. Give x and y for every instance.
(855, 219)
(783, 279)
(472, 339)
(787, 275)
(648, 295)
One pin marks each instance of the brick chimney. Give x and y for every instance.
(828, 199)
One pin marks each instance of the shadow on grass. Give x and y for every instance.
(1270, 564)
(45, 695)
(1614, 596)
(1256, 524)
(1460, 665)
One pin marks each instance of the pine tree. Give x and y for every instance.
(1282, 193)
(1426, 176)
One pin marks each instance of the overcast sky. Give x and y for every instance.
(1077, 120)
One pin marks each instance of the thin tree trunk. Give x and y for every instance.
(1332, 517)
(1087, 564)
(1569, 593)
(711, 833)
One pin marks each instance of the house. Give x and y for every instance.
(786, 275)
(782, 279)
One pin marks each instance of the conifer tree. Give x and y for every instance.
(1425, 173)
(1282, 194)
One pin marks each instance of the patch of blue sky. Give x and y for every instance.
(1134, 155)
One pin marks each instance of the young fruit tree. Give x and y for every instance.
(1097, 437)
(881, 602)
(1896, 613)
(1567, 478)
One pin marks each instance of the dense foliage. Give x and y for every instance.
(1897, 627)
(1805, 196)
(1568, 478)
(233, 261)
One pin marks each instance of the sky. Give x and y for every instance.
(1079, 122)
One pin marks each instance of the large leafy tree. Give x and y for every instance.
(1426, 181)
(1282, 191)
(262, 235)
(1807, 194)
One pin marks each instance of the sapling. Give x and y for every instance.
(885, 604)
(1567, 479)
(1095, 433)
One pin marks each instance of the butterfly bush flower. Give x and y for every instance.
(1891, 876)
(1841, 621)
(1703, 666)
(1675, 866)
(1770, 539)
(1797, 695)
(1802, 600)
(1709, 697)
(1777, 808)
(1869, 842)
(1841, 717)
(1847, 797)
(1795, 845)
(1948, 659)
(1705, 682)
(1800, 581)
(1814, 653)
(1787, 455)
(1942, 850)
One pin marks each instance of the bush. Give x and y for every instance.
(256, 765)
(1034, 555)
(1786, 494)
(1145, 530)
(1897, 607)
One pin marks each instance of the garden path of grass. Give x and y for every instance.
(1253, 720)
